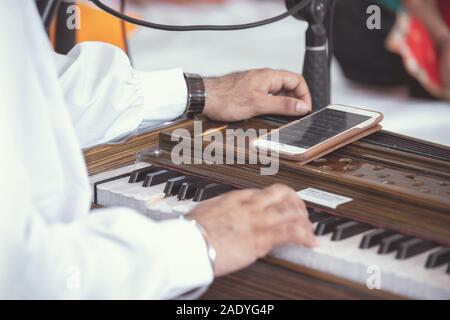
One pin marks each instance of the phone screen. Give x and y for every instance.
(319, 127)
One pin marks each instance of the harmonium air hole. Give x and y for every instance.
(383, 175)
(326, 167)
(345, 160)
(358, 175)
(417, 183)
(388, 182)
(378, 168)
(348, 167)
(320, 160)
(425, 190)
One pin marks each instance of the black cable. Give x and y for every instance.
(295, 9)
(124, 32)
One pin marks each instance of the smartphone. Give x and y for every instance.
(319, 131)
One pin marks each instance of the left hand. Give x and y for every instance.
(243, 95)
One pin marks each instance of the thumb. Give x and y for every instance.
(281, 105)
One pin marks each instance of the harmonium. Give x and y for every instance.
(389, 239)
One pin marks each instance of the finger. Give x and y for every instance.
(280, 203)
(298, 203)
(291, 83)
(271, 195)
(304, 233)
(282, 105)
(238, 195)
(298, 232)
(295, 202)
(279, 213)
(284, 233)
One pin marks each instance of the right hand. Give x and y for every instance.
(243, 95)
(245, 225)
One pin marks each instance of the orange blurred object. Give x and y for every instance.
(97, 25)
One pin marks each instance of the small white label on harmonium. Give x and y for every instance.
(323, 198)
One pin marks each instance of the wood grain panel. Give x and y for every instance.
(397, 206)
(265, 280)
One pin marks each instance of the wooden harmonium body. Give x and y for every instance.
(380, 206)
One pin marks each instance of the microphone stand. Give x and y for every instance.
(318, 52)
(316, 65)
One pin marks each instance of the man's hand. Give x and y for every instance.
(245, 225)
(243, 95)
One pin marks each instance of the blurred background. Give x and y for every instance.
(279, 46)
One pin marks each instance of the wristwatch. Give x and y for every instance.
(196, 94)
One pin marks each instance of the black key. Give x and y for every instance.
(160, 176)
(414, 247)
(211, 190)
(173, 185)
(140, 174)
(438, 258)
(349, 229)
(317, 216)
(374, 238)
(329, 225)
(188, 188)
(392, 243)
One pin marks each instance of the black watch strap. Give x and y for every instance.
(196, 94)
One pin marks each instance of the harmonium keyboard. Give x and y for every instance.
(389, 238)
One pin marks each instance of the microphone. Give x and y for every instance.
(318, 49)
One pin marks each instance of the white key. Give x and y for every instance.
(344, 259)
(103, 194)
(184, 207)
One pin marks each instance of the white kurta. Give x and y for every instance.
(50, 245)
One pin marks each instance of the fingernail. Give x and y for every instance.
(301, 108)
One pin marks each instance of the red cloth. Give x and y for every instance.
(410, 39)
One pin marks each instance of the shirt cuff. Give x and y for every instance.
(165, 94)
(187, 259)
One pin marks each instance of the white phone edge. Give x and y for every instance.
(290, 150)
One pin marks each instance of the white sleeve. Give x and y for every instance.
(107, 98)
(50, 246)
(115, 254)
(110, 254)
